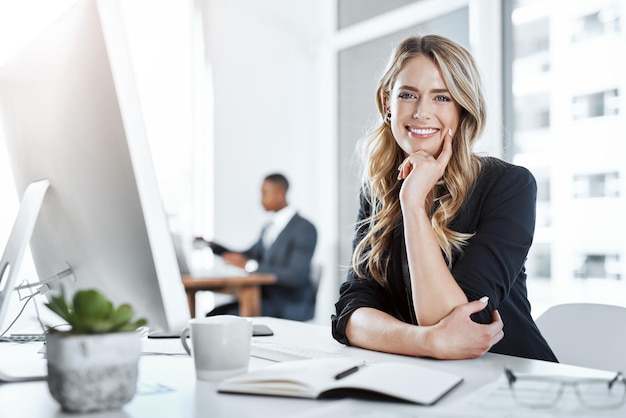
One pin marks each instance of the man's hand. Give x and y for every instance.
(236, 259)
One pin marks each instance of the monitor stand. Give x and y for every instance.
(19, 239)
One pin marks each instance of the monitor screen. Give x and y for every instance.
(71, 114)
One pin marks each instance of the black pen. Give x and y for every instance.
(346, 373)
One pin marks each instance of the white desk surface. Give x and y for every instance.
(188, 397)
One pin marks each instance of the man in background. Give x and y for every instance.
(285, 248)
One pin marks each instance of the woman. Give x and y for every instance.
(442, 234)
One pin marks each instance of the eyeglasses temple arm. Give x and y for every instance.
(619, 376)
(509, 375)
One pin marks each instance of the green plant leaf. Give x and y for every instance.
(97, 326)
(91, 304)
(58, 306)
(133, 326)
(141, 322)
(91, 313)
(122, 316)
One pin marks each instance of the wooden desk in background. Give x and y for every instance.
(247, 290)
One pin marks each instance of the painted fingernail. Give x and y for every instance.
(450, 132)
(484, 299)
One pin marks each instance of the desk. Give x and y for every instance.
(246, 289)
(189, 398)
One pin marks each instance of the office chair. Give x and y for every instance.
(586, 334)
(316, 277)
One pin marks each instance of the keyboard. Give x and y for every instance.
(23, 338)
(281, 352)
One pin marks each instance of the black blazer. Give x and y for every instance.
(501, 212)
(289, 258)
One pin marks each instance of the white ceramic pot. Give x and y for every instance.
(94, 372)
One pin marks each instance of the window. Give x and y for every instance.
(532, 111)
(563, 112)
(539, 262)
(535, 37)
(596, 185)
(599, 23)
(605, 103)
(543, 213)
(350, 12)
(599, 266)
(359, 66)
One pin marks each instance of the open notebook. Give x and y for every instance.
(338, 377)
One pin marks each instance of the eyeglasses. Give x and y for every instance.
(545, 391)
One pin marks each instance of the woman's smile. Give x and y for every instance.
(418, 132)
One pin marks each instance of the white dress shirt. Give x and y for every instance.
(278, 222)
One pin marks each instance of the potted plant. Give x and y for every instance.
(92, 366)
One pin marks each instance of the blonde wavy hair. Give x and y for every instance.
(381, 156)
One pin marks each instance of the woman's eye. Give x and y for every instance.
(406, 96)
(442, 98)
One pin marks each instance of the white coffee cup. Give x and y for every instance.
(220, 345)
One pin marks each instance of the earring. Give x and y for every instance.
(388, 117)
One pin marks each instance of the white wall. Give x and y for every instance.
(159, 37)
(265, 58)
(269, 98)
(159, 34)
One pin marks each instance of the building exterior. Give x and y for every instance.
(568, 126)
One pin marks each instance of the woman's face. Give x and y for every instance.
(421, 107)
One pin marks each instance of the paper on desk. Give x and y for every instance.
(493, 400)
(152, 388)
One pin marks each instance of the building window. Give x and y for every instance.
(558, 93)
(543, 189)
(533, 37)
(604, 103)
(602, 22)
(543, 213)
(596, 185)
(598, 266)
(532, 111)
(539, 263)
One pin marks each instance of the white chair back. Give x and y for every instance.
(586, 334)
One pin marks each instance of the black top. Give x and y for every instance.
(501, 211)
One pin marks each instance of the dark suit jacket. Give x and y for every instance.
(289, 258)
(501, 212)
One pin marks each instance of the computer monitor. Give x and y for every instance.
(71, 114)
(17, 243)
